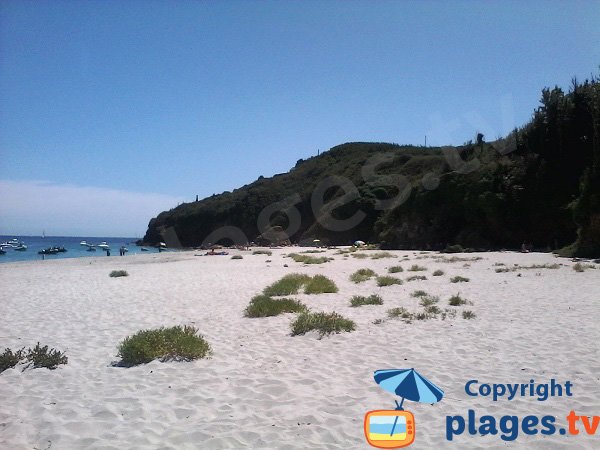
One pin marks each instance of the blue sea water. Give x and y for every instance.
(72, 244)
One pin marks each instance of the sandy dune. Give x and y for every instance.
(263, 388)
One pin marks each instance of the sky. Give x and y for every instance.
(113, 111)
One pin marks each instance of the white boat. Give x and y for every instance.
(15, 244)
(103, 245)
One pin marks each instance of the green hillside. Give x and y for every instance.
(539, 185)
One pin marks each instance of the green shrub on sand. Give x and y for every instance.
(237, 257)
(401, 313)
(288, 285)
(457, 300)
(438, 273)
(10, 359)
(359, 300)
(320, 284)
(395, 269)
(165, 344)
(416, 278)
(380, 255)
(416, 268)
(307, 259)
(118, 273)
(37, 357)
(262, 252)
(265, 306)
(459, 279)
(428, 300)
(291, 284)
(387, 281)
(419, 293)
(324, 323)
(468, 315)
(362, 275)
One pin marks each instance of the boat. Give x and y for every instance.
(48, 251)
(103, 245)
(83, 243)
(20, 248)
(2, 252)
(52, 250)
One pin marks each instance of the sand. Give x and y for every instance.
(263, 388)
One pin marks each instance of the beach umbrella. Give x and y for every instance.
(408, 384)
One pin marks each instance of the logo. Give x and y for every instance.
(396, 428)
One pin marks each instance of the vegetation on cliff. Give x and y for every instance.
(539, 185)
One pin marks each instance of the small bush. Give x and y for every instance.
(324, 323)
(165, 344)
(237, 257)
(582, 267)
(380, 255)
(429, 300)
(118, 273)
(541, 266)
(320, 284)
(387, 281)
(416, 268)
(416, 278)
(395, 269)
(307, 259)
(519, 267)
(313, 251)
(359, 300)
(400, 312)
(422, 316)
(459, 279)
(438, 273)
(433, 310)
(360, 255)
(42, 357)
(265, 306)
(378, 321)
(468, 315)
(9, 359)
(288, 285)
(449, 312)
(457, 300)
(38, 357)
(262, 252)
(419, 294)
(453, 259)
(362, 275)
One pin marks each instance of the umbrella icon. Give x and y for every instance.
(410, 384)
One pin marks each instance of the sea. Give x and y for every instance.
(71, 244)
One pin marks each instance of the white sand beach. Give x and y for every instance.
(263, 388)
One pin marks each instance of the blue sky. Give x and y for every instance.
(162, 100)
